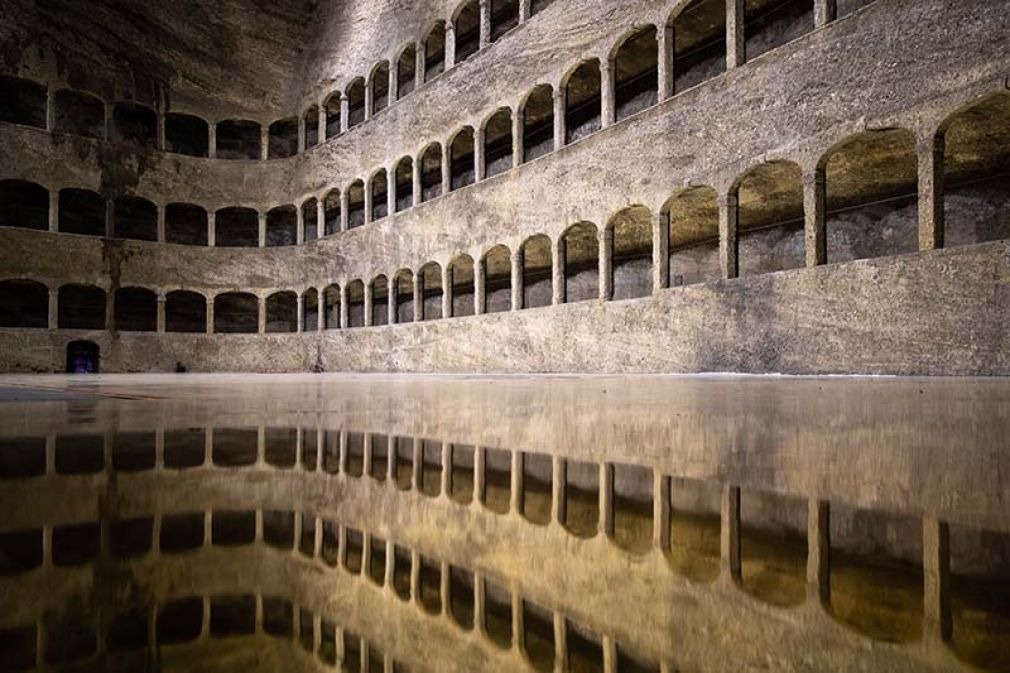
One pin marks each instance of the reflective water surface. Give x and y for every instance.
(618, 524)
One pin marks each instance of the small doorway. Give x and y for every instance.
(82, 357)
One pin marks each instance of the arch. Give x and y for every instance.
(282, 312)
(461, 159)
(134, 124)
(698, 32)
(83, 357)
(403, 295)
(79, 113)
(310, 310)
(355, 102)
(462, 284)
(331, 212)
(636, 73)
(466, 21)
(769, 24)
(22, 101)
(311, 120)
(238, 139)
(537, 263)
(333, 115)
(283, 138)
(406, 71)
(81, 212)
(282, 226)
(631, 253)
(871, 181)
(24, 205)
(580, 253)
(135, 218)
(186, 224)
(404, 183)
(379, 90)
(770, 221)
(185, 312)
(24, 303)
(538, 122)
(504, 17)
(497, 264)
(331, 307)
(187, 134)
(583, 101)
(236, 313)
(355, 304)
(310, 220)
(693, 217)
(236, 227)
(135, 310)
(379, 186)
(431, 172)
(434, 51)
(498, 142)
(380, 300)
(81, 307)
(355, 204)
(430, 279)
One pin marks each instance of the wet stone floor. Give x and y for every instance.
(410, 523)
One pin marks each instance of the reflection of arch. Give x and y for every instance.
(24, 204)
(631, 253)
(24, 303)
(83, 357)
(580, 252)
(693, 215)
(135, 310)
(185, 312)
(537, 272)
(331, 307)
(461, 282)
(81, 307)
(430, 279)
(282, 312)
(236, 313)
(770, 221)
(497, 279)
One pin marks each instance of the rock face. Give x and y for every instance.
(577, 185)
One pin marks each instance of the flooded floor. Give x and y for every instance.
(410, 523)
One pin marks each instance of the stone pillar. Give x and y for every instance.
(517, 474)
(517, 279)
(321, 319)
(161, 224)
(321, 216)
(825, 11)
(110, 217)
(159, 142)
(369, 199)
(322, 122)
(736, 53)
(607, 99)
(660, 252)
(343, 306)
(394, 81)
(263, 315)
(665, 37)
(344, 215)
(479, 167)
(54, 308)
(300, 225)
(729, 542)
(212, 140)
(485, 23)
(937, 621)
(560, 122)
(110, 312)
(210, 315)
(446, 169)
(390, 190)
(931, 187)
(479, 287)
(392, 316)
(51, 108)
(262, 230)
(161, 314)
(54, 210)
(524, 10)
(606, 255)
(450, 44)
(302, 132)
(558, 272)
(518, 144)
(660, 510)
(345, 112)
(418, 297)
(108, 122)
(559, 490)
(728, 251)
(300, 302)
(211, 229)
(447, 291)
(416, 177)
(265, 142)
(607, 499)
(819, 551)
(369, 292)
(369, 98)
(420, 64)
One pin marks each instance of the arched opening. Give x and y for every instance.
(355, 205)
(772, 23)
(355, 304)
(332, 106)
(134, 124)
(136, 310)
(699, 43)
(282, 226)
(135, 218)
(976, 167)
(356, 102)
(404, 183)
(636, 73)
(331, 307)
(693, 215)
(380, 202)
(380, 300)
(504, 17)
(81, 307)
(282, 312)
(24, 303)
(431, 172)
(81, 212)
(186, 134)
(537, 6)
(461, 159)
(538, 123)
(236, 313)
(310, 310)
(537, 270)
(79, 113)
(24, 205)
(872, 195)
(498, 143)
(331, 212)
(238, 139)
(83, 357)
(467, 24)
(380, 87)
(22, 102)
(310, 220)
(185, 224)
(403, 295)
(497, 279)
(583, 102)
(236, 227)
(770, 218)
(631, 265)
(461, 280)
(434, 52)
(430, 278)
(581, 255)
(283, 141)
(185, 312)
(406, 71)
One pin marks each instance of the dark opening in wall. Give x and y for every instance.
(431, 172)
(236, 228)
(380, 87)
(133, 451)
(636, 74)
(582, 498)
(81, 212)
(356, 102)
(580, 251)
(380, 300)
(632, 253)
(283, 142)
(537, 494)
(355, 466)
(233, 529)
(311, 121)
(331, 307)
(773, 549)
(504, 17)
(403, 463)
(434, 52)
(279, 529)
(380, 457)
(185, 312)
(185, 224)
(310, 220)
(537, 6)
(406, 71)
(134, 124)
(20, 551)
(128, 631)
(75, 545)
(498, 143)
(497, 280)
(401, 572)
(537, 269)
(80, 454)
(633, 493)
(538, 123)
(771, 23)
(278, 617)
(180, 620)
(462, 283)
(356, 205)
(81, 307)
(431, 468)
(430, 278)
(282, 226)
(181, 532)
(353, 551)
(699, 43)
(70, 639)
(498, 614)
(583, 102)
(19, 646)
(380, 203)
(310, 446)
(402, 294)
(186, 134)
(430, 588)
(135, 218)
(467, 25)
(355, 304)
(332, 212)
(377, 560)
(236, 313)
(770, 202)
(24, 303)
(328, 643)
(695, 528)
(333, 115)
(538, 637)
(307, 541)
(354, 653)
(461, 593)
(22, 102)
(136, 310)
(310, 313)
(305, 627)
(234, 447)
(694, 236)
(24, 205)
(461, 473)
(185, 448)
(404, 183)
(80, 113)
(330, 552)
(130, 538)
(461, 159)
(238, 139)
(497, 493)
(281, 447)
(22, 457)
(980, 620)
(232, 615)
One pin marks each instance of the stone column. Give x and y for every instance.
(418, 297)
(321, 216)
(446, 169)
(390, 190)
(212, 140)
(815, 217)
(369, 98)
(369, 291)
(606, 255)
(524, 10)
(517, 279)
(420, 58)
(447, 291)
(931, 187)
(322, 122)
(728, 249)
(265, 142)
(159, 142)
(607, 99)
(607, 499)
(302, 132)
(344, 207)
(262, 230)
(450, 44)
(161, 224)
(479, 288)
(263, 315)
(108, 122)
(343, 306)
(211, 229)
(54, 210)
(110, 217)
(51, 108)
(665, 38)
(559, 490)
(819, 551)
(660, 510)
(394, 81)
(558, 272)
(518, 144)
(210, 315)
(54, 308)
(660, 252)
(320, 320)
(345, 112)
(369, 200)
(729, 540)
(937, 621)
(391, 304)
(416, 196)
(560, 122)
(300, 302)
(485, 23)
(161, 314)
(110, 311)
(479, 167)
(736, 53)
(825, 11)
(300, 225)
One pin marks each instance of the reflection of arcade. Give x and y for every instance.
(82, 357)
